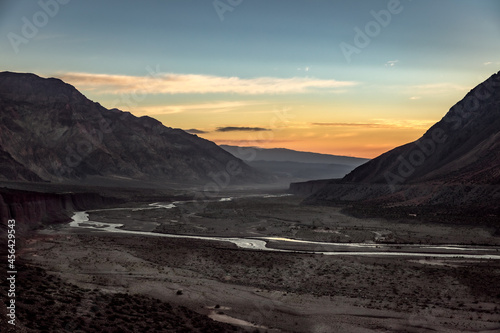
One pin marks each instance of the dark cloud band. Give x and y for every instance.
(241, 129)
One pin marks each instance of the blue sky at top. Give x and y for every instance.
(414, 69)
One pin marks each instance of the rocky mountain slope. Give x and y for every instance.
(463, 147)
(50, 131)
(456, 162)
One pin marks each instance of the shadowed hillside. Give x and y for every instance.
(50, 131)
(456, 162)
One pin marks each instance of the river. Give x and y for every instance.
(81, 220)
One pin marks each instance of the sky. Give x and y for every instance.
(354, 78)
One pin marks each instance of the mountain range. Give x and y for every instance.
(49, 131)
(291, 165)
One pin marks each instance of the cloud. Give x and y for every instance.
(385, 123)
(407, 123)
(170, 83)
(391, 63)
(150, 110)
(488, 63)
(248, 143)
(347, 125)
(415, 97)
(210, 107)
(195, 131)
(343, 135)
(241, 129)
(306, 69)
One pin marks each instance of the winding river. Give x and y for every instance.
(81, 220)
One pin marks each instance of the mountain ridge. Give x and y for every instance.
(473, 122)
(55, 132)
(457, 155)
(289, 155)
(289, 165)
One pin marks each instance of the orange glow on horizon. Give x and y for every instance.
(362, 143)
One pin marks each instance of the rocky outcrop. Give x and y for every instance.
(32, 210)
(304, 189)
(51, 131)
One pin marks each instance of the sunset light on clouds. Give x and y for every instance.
(278, 66)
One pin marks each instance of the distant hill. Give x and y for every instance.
(49, 131)
(290, 165)
(288, 155)
(456, 162)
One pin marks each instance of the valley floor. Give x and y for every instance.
(275, 291)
